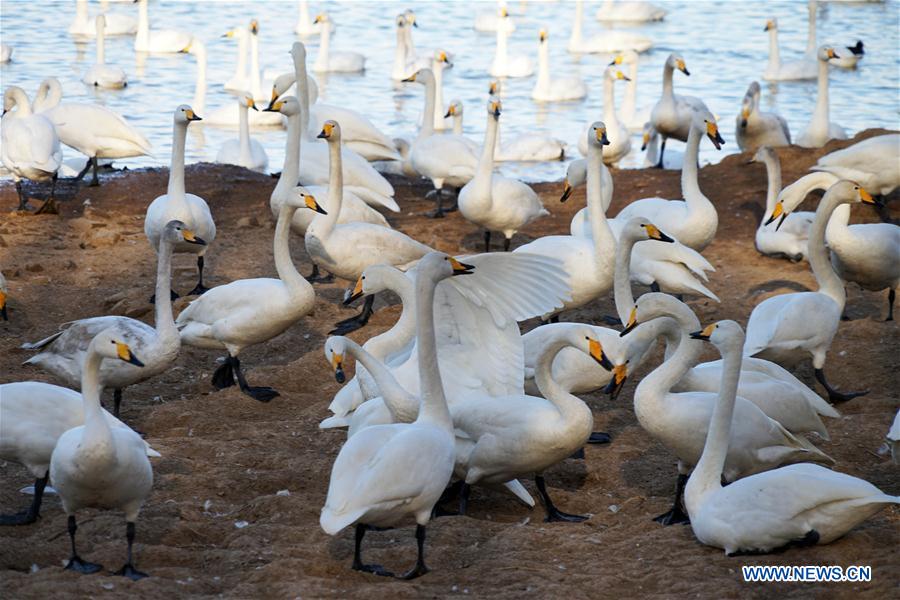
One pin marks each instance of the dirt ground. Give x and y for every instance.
(235, 506)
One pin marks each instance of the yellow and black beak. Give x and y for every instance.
(411, 78)
(337, 363)
(867, 198)
(254, 26)
(252, 104)
(275, 104)
(492, 88)
(125, 353)
(327, 129)
(450, 112)
(460, 268)
(632, 323)
(832, 54)
(597, 354)
(3, 306)
(769, 25)
(272, 100)
(655, 234)
(704, 333)
(356, 293)
(745, 114)
(712, 132)
(567, 191)
(542, 35)
(615, 385)
(313, 205)
(645, 139)
(190, 238)
(601, 137)
(495, 109)
(778, 211)
(682, 67)
(192, 116)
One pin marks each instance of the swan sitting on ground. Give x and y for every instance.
(504, 65)
(800, 505)
(629, 12)
(35, 414)
(805, 68)
(334, 61)
(101, 74)
(244, 151)
(116, 24)
(754, 128)
(547, 89)
(617, 132)
(821, 128)
(791, 238)
(158, 41)
(610, 41)
(673, 114)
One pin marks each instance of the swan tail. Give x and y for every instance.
(39, 344)
(335, 422)
(374, 199)
(151, 452)
(332, 523)
(519, 492)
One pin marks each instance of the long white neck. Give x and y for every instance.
(101, 45)
(658, 383)
(838, 226)
(324, 224)
(433, 407)
(811, 31)
(622, 293)
(428, 124)
(604, 242)
(690, 187)
(303, 15)
(774, 52)
(302, 95)
(829, 283)
(629, 102)
(23, 107)
(668, 88)
(287, 272)
(396, 398)
(97, 441)
(176, 169)
(324, 46)
(543, 78)
(143, 30)
(575, 37)
(240, 72)
(244, 124)
(165, 322)
(821, 115)
(438, 113)
(501, 53)
(290, 171)
(199, 103)
(609, 103)
(458, 124)
(255, 81)
(570, 407)
(400, 60)
(773, 172)
(404, 330)
(410, 44)
(81, 10)
(484, 175)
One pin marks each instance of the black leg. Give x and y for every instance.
(75, 562)
(553, 513)
(23, 201)
(662, 150)
(654, 287)
(358, 564)
(357, 322)
(316, 277)
(438, 212)
(599, 437)
(263, 394)
(223, 377)
(199, 289)
(506, 242)
(892, 295)
(173, 296)
(611, 320)
(677, 514)
(487, 241)
(95, 181)
(31, 515)
(464, 492)
(117, 402)
(128, 569)
(83, 172)
(49, 207)
(419, 569)
(578, 454)
(835, 396)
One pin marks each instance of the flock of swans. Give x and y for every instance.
(453, 396)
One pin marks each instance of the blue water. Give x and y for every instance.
(723, 43)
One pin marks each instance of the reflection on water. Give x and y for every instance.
(723, 43)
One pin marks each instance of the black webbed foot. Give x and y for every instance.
(83, 567)
(131, 573)
(599, 437)
(673, 517)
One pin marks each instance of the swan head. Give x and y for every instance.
(771, 25)
(438, 266)
(15, 96)
(321, 18)
(542, 36)
(176, 232)
(627, 57)
(493, 108)
(644, 229)
(375, 279)
(331, 130)
(584, 339)
(235, 33)
(494, 88)
(455, 109)
(826, 53)
(725, 335)
(647, 135)
(335, 350)
(288, 106)
(597, 134)
(247, 100)
(410, 17)
(441, 58)
(304, 199)
(676, 61)
(711, 128)
(423, 76)
(186, 114)
(655, 305)
(253, 27)
(615, 75)
(109, 344)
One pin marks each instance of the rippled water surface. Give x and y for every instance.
(723, 43)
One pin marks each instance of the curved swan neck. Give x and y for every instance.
(773, 174)
(165, 322)
(433, 403)
(176, 169)
(97, 438)
(287, 272)
(829, 283)
(404, 330)
(838, 224)
(670, 372)
(622, 293)
(391, 391)
(564, 401)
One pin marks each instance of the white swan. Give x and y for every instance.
(158, 41)
(116, 24)
(455, 112)
(821, 128)
(629, 12)
(415, 59)
(680, 420)
(874, 163)
(178, 205)
(754, 128)
(650, 143)
(388, 473)
(240, 81)
(635, 118)
(804, 68)
(504, 65)
(673, 115)
(795, 505)
(489, 20)
(609, 41)
(561, 89)
(790, 238)
(30, 146)
(63, 353)
(305, 26)
(576, 175)
(333, 61)
(444, 159)
(694, 221)
(617, 132)
(100, 74)
(493, 201)
(784, 328)
(526, 147)
(35, 414)
(244, 151)
(98, 466)
(247, 312)
(437, 68)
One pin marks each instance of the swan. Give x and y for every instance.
(240, 81)
(802, 504)
(387, 473)
(158, 41)
(619, 136)
(5, 53)
(437, 68)
(91, 129)
(850, 59)
(680, 420)
(629, 12)
(116, 24)
(633, 117)
(401, 67)
(30, 148)
(95, 465)
(610, 41)
(867, 254)
(331, 61)
(576, 175)
(444, 159)
(305, 26)
(821, 128)
(524, 147)
(874, 163)
(754, 128)
(504, 65)
(63, 353)
(101, 74)
(493, 201)
(455, 112)
(589, 261)
(176, 204)
(415, 59)
(489, 21)
(784, 328)
(804, 68)
(247, 312)
(673, 115)
(561, 89)
(652, 158)
(790, 238)
(694, 221)
(244, 151)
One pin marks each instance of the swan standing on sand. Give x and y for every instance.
(101, 74)
(63, 353)
(786, 327)
(178, 205)
(247, 312)
(331, 61)
(800, 505)
(98, 466)
(158, 41)
(244, 151)
(619, 136)
(504, 65)
(805, 68)
(116, 24)
(561, 89)
(388, 473)
(821, 128)
(789, 239)
(754, 128)
(30, 147)
(672, 115)
(610, 41)
(495, 202)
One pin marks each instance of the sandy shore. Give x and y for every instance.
(228, 459)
